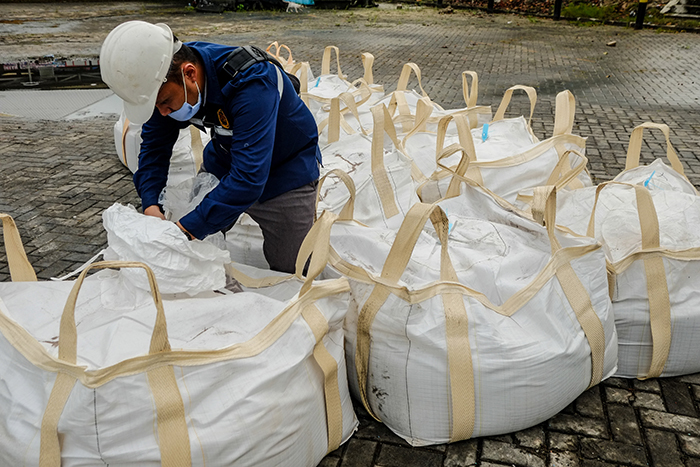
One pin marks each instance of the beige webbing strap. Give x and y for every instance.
(424, 108)
(505, 102)
(565, 111)
(563, 174)
(197, 147)
(635, 147)
(304, 69)
(334, 409)
(286, 62)
(470, 96)
(577, 295)
(459, 355)
(125, 131)
(173, 436)
(463, 132)
(580, 302)
(334, 121)
(348, 211)
(383, 124)
(368, 63)
(406, 74)
(20, 268)
(540, 196)
(317, 244)
(404, 116)
(252, 282)
(351, 105)
(50, 442)
(657, 285)
(326, 62)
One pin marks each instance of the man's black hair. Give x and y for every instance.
(184, 55)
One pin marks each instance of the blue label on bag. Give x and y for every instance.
(646, 182)
(485, 132)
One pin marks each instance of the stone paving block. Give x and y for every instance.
(531, 438)
(596, 463)
(611, 451)
(359, 453)
(461, 454)
(619, 396)
(578, 425)
(692, 379)
(690, 445)
(329, 462)
(648, 400)
(623, 424)
(504, 452)
(663, 448)
(589, 403)
(563, 459)
(399, 456)
(692, 462)
(617, 382)
(671, 422)
(678, 397)
(563, 441)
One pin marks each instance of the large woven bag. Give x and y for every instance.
(382, 175)
(647, 221)
(511, 170)
(485, 324)
(651, 239)
(186, 155)
(255, 378)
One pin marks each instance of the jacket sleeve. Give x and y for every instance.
(253, 107)
(158, 136)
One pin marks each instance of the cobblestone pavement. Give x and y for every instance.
(57, 178)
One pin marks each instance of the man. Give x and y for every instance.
(264, 147)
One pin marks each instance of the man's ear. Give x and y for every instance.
(190, 71)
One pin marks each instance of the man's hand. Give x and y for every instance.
(154, 211)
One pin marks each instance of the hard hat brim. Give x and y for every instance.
(141, 113)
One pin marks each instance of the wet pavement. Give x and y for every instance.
(58, 176)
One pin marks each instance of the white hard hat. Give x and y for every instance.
(134, 61)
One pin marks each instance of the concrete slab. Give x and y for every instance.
(60, 104)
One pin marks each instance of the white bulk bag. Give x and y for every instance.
(405, 105)
(254, 378)
(500, 139)
(512, 175)
(383, 187)
(496, 331)
(180, 265)
(317, 93)
(244, 241)
(187, 152)
(657, 174)
(652, 244)
(649, 230)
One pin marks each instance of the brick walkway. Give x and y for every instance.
(57, 178)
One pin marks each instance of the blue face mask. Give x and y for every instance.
(187, 110)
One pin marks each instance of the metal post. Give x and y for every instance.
(641, 12)
(489, 9)
(557, 10)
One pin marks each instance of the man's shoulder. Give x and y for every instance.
(210, 49)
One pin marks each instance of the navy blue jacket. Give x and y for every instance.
(262, 146)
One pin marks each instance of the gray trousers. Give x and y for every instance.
(285, 220)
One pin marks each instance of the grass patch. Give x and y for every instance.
(586, 10)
